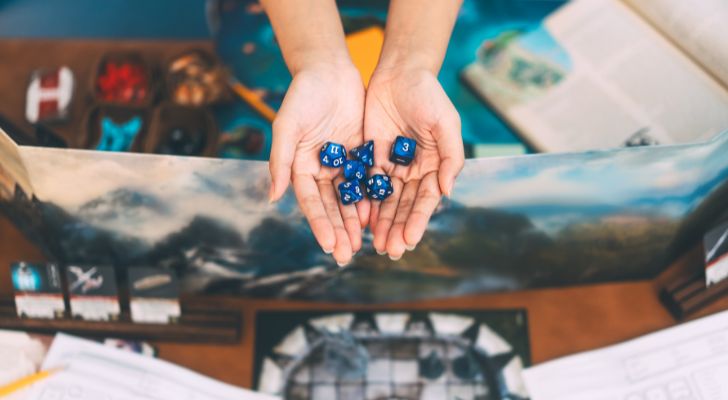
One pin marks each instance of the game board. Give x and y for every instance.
(380, 355)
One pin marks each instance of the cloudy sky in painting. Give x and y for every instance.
(234, 193)
(616, 178)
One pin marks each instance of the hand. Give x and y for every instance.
(324, 102)
(411, 102)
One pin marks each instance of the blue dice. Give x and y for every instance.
(403, 150)
(379, 187)
(354, 170)
(350, 192)
(364, 153)
(332, 155)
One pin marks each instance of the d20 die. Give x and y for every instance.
(350, 192)
(403, 150)
(364, 153)
(354, 170)
(379, 187)
(332, 155)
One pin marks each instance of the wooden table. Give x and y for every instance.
(561, 321)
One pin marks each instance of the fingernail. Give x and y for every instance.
(410, 248)
(342, 264)
(394, 258)
(328, 251)
(270, 193)
(381, 253)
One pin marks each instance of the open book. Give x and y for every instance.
(610, 73)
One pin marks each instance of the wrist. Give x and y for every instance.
(404, 69)
(308, 59)
(404, 59)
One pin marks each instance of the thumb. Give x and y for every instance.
(450, 148)
(449, 170)
(282, 152)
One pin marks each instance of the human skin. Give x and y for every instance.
(405, 98)
(327, 102)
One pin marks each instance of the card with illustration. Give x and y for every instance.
(38, 290)
(93, 293)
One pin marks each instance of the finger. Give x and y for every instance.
(447, 133)
(342, 249)
(385, 217)
(282, 153)
(309, 197)
(426, 202)
(363, 209)
(381, 154)
(396, 244)
(374, 207)
(352, 223)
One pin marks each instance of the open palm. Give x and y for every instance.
(322, 104)
(412, 104)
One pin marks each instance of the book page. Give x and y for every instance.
(698, 27)
(598, 76)
(95, 371)
(689, 361)
(12, 171)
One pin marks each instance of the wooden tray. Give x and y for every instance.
(197, 324)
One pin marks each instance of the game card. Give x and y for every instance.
(154, 295)
(93, 293)
(38, 290)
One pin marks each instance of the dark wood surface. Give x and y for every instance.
(196, 325)
(561, 321)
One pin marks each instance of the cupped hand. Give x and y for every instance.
(324, 103)
(411, 103)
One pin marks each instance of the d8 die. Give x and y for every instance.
(333, 155)
(403, 150)
(379, 187)
(364, 153)
(354, 170)
(350, 192)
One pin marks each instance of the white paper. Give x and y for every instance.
(687, 362)
(97, 372)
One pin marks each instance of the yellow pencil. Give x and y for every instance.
(27, 381)
(253, 100)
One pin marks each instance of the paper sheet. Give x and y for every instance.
(97, 372)
(687, 362)
(20, 356)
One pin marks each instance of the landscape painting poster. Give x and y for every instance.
(512, 222)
